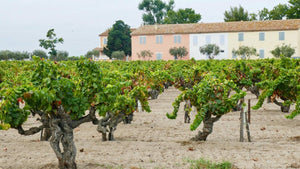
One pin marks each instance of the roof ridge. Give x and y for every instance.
(266, 25)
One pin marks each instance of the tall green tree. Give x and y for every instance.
(186, 15)
(50, 43)
(236, 14)
(283, 51)
(210, 50)
(179, 52)
(278, 12)
(118, 39)
(155, 11)
(253, 16)
(294, 9)
(263, 14)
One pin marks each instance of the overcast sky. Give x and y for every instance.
(79, 22)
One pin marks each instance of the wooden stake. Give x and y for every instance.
(247, 128)
(242, 117)
(249, 111)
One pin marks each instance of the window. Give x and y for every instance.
(104, 41)
(158, 56)
(159, 39)
(281, 36)
(222, 39)
(261, 36)
(177, 38)
(195, 40)
(241, 36)
(261, 53)
(142, 39)
(208, 39)
(233, 55)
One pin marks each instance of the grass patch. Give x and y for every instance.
(206, 164)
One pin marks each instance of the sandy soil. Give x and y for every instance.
(153, 141)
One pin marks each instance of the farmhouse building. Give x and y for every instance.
(264, 36)
(103, 43)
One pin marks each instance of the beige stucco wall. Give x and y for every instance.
(102, 41)
(168, 42)
(271, 41)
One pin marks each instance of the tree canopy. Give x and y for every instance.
(211, 50)
(179, 52)
(10, 55)
(236, 14)
(40, 53)
(92, 53)
(245, 52)
(283, 51)
(119, 39)
(61, 55)
(145, 54)
(263, 14)
(155, 11)
(118, 55)
(280, 11)
(180, 16)
(294, 9)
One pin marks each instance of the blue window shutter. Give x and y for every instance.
(195, 40)
(261, 36)
(261, 53)
(241, 36)
(281, 35)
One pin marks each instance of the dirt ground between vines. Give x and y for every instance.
(153, 141)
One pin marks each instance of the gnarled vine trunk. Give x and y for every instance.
(153, 93)
(283, 108)
(108, 124)
(208, 124)
(62, 126)
(187, 107)
(62, 134)
(45, 134)
(128, 118)
(167, 84)
(254, 90)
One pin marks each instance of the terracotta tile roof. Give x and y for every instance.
(242, 26)
(107, 31)
(104, 33)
